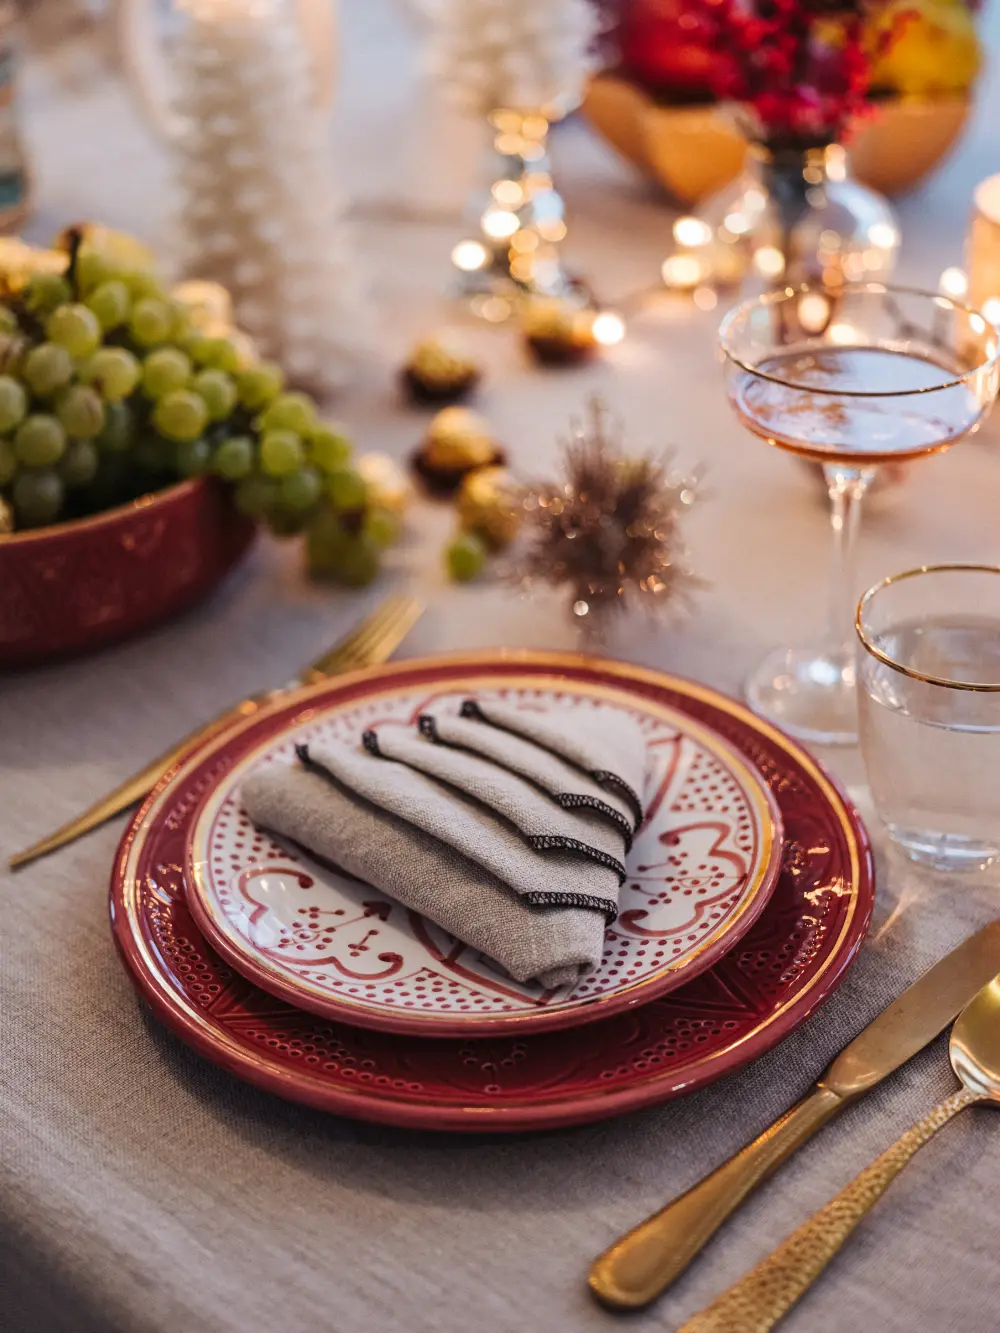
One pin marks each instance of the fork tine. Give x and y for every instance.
(388, 624)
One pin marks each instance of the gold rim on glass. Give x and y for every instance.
(806, 289)
(943, 681)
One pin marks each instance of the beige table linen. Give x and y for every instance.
(144, 1191)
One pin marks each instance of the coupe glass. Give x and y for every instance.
(851, 378)
(929, 697)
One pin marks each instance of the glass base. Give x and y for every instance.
(807, 693)
(943, 851)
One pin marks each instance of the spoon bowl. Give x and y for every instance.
(974, 1045)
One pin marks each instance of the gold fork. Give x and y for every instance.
(369, 644)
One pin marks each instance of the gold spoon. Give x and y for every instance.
(761, 1297)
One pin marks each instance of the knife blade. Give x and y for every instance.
(644, 1262)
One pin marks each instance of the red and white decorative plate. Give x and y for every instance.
(700, 871)
(789, 961)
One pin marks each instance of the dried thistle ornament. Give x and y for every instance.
(608, 531)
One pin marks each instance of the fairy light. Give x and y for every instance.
(884, 235)
(608, 328)
(682, 271)
(991, 309)
(469, 256)
(692, 232)
(508, 193)
(499, 223)
(814, 311)
(769, 261)
(843, 334)
(954, 283)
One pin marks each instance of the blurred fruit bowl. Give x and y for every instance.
(695, 150)
(80, 585)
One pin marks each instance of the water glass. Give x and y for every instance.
(929, 703)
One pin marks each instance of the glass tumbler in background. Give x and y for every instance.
(929, 705)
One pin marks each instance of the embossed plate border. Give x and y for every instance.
(788, 964)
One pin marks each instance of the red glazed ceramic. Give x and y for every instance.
(701, 868)
(787, 964)
(76, 586)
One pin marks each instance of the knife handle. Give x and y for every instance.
(644, 1262)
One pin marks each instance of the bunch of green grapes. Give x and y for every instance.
(108, 389)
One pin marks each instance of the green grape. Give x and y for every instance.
(13, 353)
(74, 327)
(40, 441)
(193, 457)
(198, 346)
(285, 522)
(78, 465)
(92, 268)
(47, 369)
(143, 285)
(234, 458)
(151, 322)
(300, 490)
(113, 371)
(119, 424)
(153, 454)
(218, 390)
(8, 461)
(220, 354)
(259, 385)
(465, 557)
(81, 412)
(281, 452)
(180, 415)
(382, 526)
(38, 497)
(346, 488)
(45, 291)
(163, 371)
(13, 403)
(256, 495)
(360, 563)
(290, 411)
(326, 544)
(110, 302)
(182, 321)
(330, 448)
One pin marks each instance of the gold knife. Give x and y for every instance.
(371, 643)
(644, 1262)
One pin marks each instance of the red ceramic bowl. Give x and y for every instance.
(76, 586)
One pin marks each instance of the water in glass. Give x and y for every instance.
(933, 752)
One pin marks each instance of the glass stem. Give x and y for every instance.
(847, 487)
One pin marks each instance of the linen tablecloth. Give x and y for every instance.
(143, 1191)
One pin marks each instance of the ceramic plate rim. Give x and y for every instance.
(180, 1016)
(671, 976)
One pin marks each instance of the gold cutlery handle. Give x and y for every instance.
(644, 1262)
(759, 1299)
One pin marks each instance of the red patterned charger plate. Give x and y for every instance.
(787, 964)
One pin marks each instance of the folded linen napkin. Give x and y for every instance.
(570, 787)
(608, 746)
(543, 822)
(543, 873)
(505, 828)
(553, 945)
